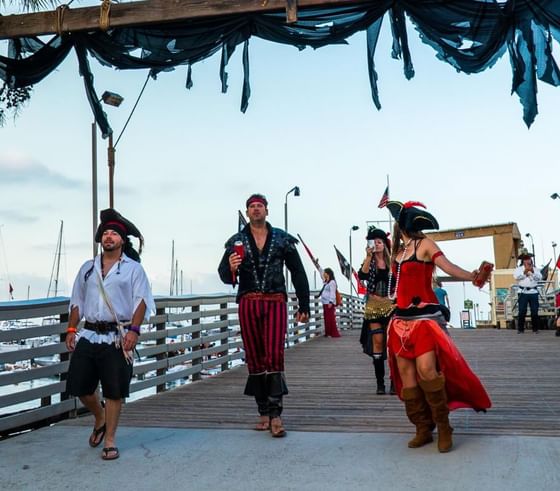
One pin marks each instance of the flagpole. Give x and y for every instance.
(390, 216)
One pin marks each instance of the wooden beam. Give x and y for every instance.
(472, 232)
(148, 12)
(506, 240)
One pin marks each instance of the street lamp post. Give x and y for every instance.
(555, 263)
(528, 235)
(111, 99)
(352, 229)
(115, 100)
(296, 192)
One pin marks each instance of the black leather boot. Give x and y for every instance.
(257, 386)
(379, 365)
(276, 389)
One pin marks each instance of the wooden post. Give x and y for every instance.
(224, 317)
(162, 326)
(196, 335)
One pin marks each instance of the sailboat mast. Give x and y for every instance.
(58, 254)
(172, 267)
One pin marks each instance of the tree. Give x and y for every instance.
(30, 4)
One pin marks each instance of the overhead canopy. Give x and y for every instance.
(471, 35)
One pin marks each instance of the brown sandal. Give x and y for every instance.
(263, 424)
(277, 428)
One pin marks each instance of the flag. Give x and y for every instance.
(384, 199)
(545, 270)
(345, 267)
(558, 263)
(314, 260)
(362, 290)
(11, 292)
(241, 221)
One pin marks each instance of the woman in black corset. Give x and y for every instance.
(375, 271)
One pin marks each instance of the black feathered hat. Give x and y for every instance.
(410, 218)
(377, 233)
(111, 219)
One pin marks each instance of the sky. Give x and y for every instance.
(189, 159)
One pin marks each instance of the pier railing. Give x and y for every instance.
(188, 338)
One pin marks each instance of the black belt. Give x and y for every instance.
(101, 327)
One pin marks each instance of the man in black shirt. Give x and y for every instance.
(262, 300)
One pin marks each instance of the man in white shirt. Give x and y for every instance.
(112, 293)
(527, 278)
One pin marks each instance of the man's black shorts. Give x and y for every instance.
(92, 363)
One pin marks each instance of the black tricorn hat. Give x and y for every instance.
(524, 254)
(112, 219)
(377, 233)
(410, 218)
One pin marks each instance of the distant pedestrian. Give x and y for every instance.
(527, 277)
(379, 307)
(112, 293)
(429, 372)
(255, 258)
(441, 294)
(328, 299)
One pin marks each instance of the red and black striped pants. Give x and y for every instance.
(263, 328)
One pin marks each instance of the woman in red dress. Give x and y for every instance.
(430, 374)
(328, 299)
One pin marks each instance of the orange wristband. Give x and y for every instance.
(71, 329)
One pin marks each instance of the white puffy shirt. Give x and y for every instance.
(328, 295)
(126, 285)
(530, 281)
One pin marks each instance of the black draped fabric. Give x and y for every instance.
(471, 35)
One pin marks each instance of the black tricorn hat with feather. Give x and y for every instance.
(411, 218)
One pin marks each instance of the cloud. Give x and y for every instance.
(18, 169)
(17, 216)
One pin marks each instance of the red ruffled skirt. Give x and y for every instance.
(412, 338)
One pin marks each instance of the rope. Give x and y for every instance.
(104, 14)
(60, 10)
(130, 116)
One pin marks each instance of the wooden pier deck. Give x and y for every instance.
(332, 387)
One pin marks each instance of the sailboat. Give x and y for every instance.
(55, 271)
(54, 290)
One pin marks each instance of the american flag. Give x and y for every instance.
(384, 199)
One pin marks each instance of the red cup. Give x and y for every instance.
(484, 272)
(239, 249)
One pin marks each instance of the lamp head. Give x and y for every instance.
(112, 98)
(554, 244)
(296, 191)
(555, 195)
(355, 227)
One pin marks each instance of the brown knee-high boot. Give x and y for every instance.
(437, 399)
(419, 414)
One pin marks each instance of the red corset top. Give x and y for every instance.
(415, 283)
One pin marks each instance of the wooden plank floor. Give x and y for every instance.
(332, 387)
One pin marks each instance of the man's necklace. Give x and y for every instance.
(260, 283)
